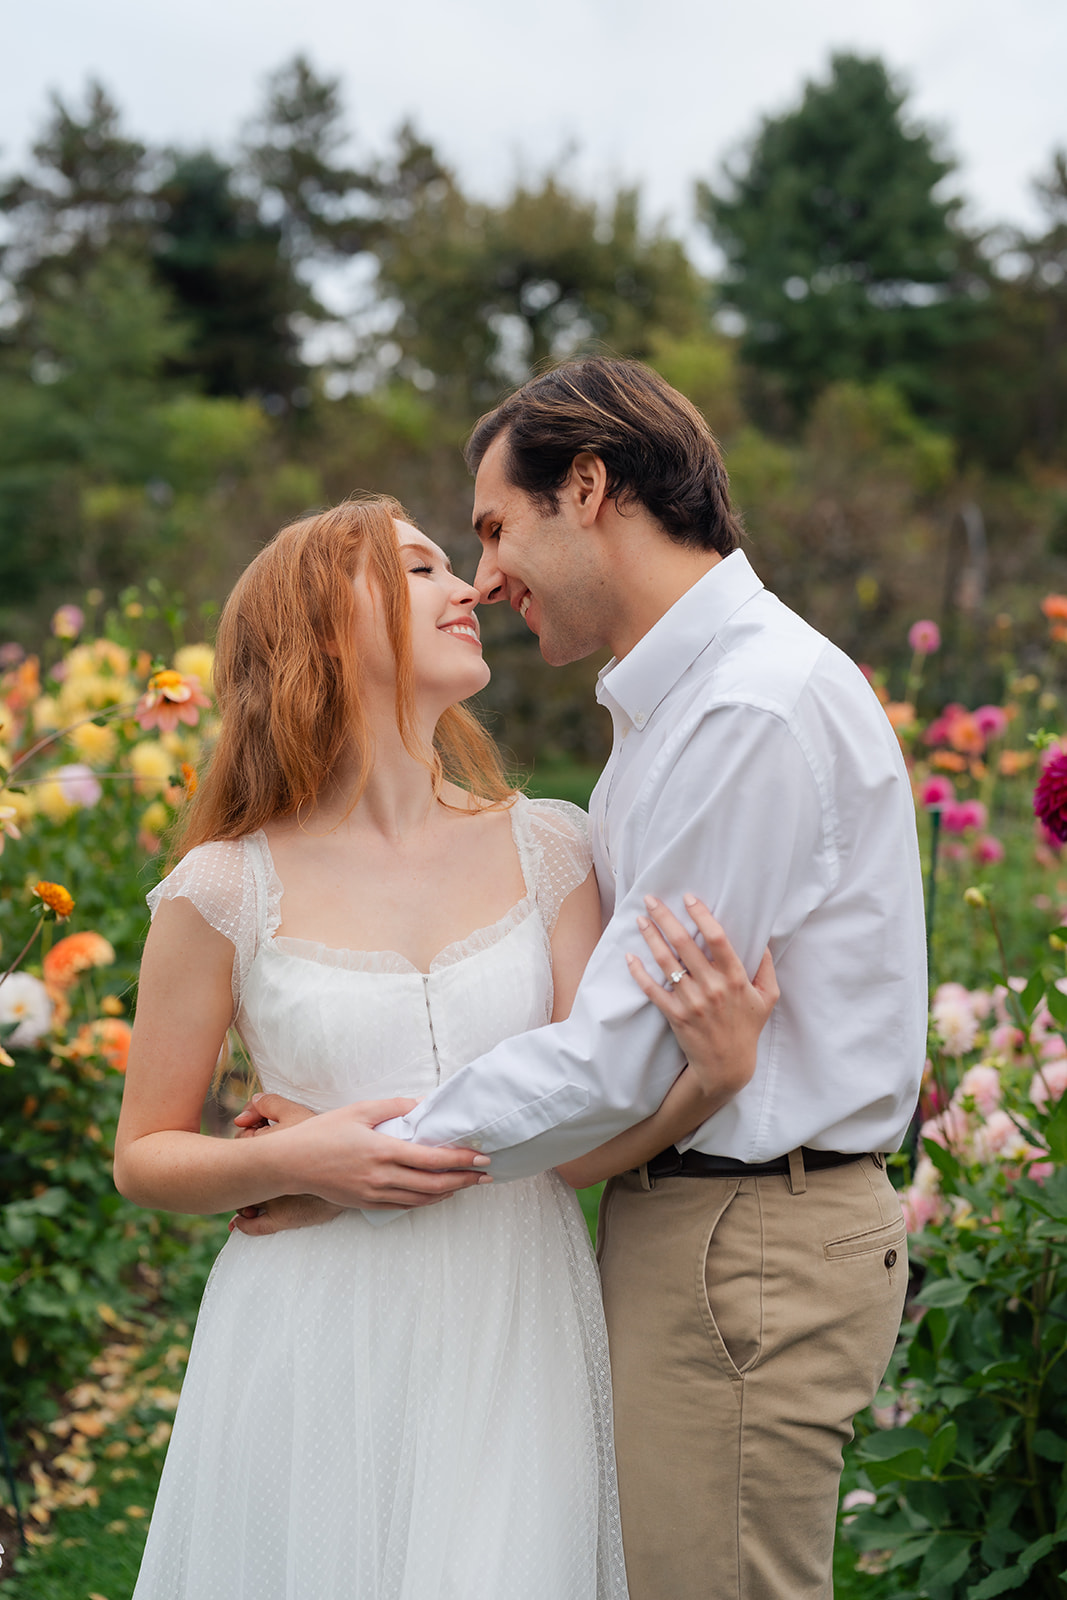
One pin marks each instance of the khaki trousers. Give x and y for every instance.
(749, 1320)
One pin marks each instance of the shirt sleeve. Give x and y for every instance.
(735, 816)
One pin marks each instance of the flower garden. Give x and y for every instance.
(955, 1486)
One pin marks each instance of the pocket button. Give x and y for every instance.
(890, 1258)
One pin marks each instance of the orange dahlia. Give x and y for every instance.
(107, 1037)
(73, 955)
(55, 898)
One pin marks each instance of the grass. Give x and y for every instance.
(95, 1552)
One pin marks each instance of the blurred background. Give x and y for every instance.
(257, 257)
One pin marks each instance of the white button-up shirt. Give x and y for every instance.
(753, 766)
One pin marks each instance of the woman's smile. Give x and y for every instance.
(466, 628)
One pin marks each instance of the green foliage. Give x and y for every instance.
(69, 1244)
(1009, 380)
(968, 1483)
(840, 257)
(541, 277)
(971, 1494)
(84, 193)
(74, 1255)
(234, 287)
(294, 153)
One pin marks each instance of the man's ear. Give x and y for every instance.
(587, 486)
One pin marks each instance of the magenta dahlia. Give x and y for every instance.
(1050, 796)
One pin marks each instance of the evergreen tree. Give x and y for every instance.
(88, 189)
(293, 154)
(231, 281)
(1009, 381)
(840, 255)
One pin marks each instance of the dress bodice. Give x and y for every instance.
(327, 1027)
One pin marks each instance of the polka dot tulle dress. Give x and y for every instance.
(414, 1412)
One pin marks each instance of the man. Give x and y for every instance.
(753, 1282)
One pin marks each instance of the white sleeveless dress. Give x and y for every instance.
(417, 1412)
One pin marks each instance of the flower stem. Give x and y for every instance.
(915, 674)
(1030, 1046)
(59, 733)
(25, 949)
(931, 888)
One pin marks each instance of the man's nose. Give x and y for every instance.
(489, 580)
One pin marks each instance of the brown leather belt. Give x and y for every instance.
(670, 1163)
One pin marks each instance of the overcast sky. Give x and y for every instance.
(653, 91)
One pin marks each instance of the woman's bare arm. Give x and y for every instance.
(183, 1011)
(162, 1159)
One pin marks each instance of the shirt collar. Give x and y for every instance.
(643, 678)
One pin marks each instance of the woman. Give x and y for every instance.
(420, 1411)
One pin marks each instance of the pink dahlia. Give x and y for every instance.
(992, 720)
(988, 850)
(937, 792)
(68, 622)
(1050, 796)
(963, 815)
(79, 784)
(924, 637)
(170, 698)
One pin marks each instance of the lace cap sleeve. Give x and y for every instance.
(226, 883)
(554, 845)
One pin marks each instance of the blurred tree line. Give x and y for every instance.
(196, 346)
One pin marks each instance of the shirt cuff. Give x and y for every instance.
(514, 1127)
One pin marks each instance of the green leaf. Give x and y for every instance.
(945, 1292)
(947, 1559)
(943, 1159)
(997, 1583)
(1056, 1001)
(21, 1228)
(1016, 1010)
(1040, 1548)
(908, 1552)
(903, 1468)
(1050, 1445)
(1034, 992)
(942, 1447)
(884, 1445)
(50, 1202)
(1054, 1131)
(1001, 1445)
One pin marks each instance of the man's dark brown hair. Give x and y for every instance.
(655, 445)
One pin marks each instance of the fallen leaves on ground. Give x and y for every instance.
(107, 1417)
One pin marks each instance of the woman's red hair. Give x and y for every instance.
(288, 679)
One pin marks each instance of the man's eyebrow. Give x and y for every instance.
(482, 519)
(424, 550)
